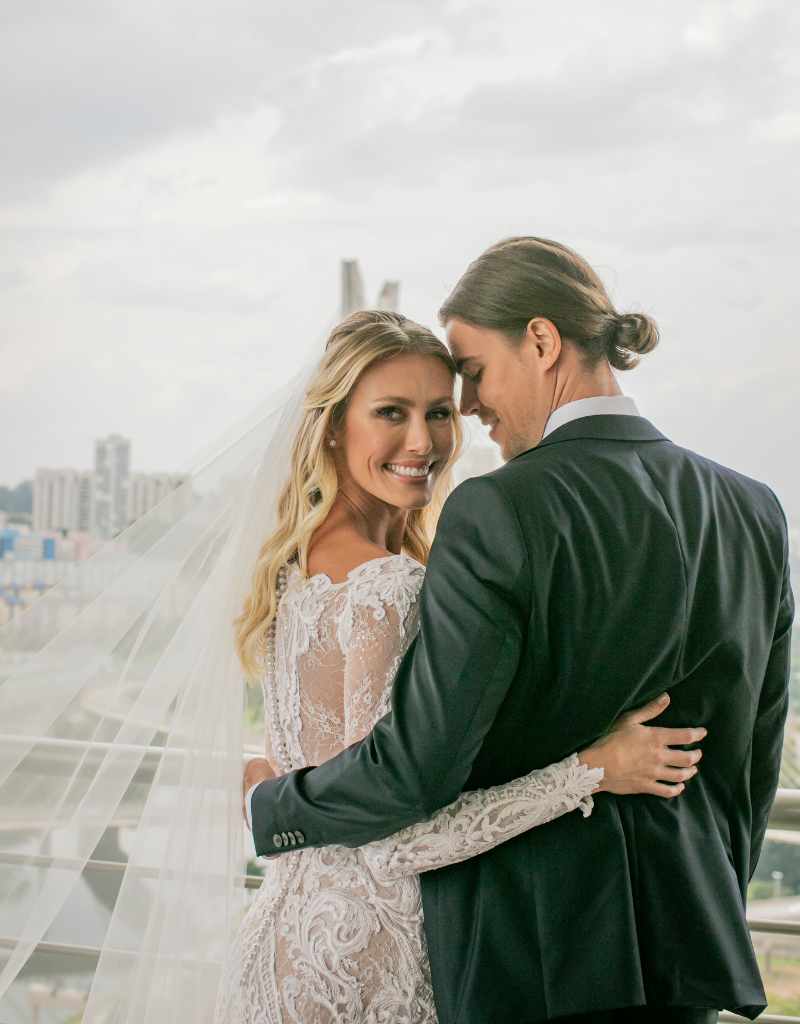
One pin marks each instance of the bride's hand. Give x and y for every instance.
(638, 758)
(257, 769)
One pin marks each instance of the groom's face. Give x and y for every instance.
(507, 386)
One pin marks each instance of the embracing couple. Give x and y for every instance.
(437, 713)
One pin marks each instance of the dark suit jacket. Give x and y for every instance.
(578, 581)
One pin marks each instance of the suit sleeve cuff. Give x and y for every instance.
(248, 800)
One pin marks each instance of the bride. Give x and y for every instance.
(336, 934)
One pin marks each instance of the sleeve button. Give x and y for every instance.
(300, 837)
(277, 841)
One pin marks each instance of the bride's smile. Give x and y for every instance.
(412, 472)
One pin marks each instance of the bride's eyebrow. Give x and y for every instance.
(396, 400)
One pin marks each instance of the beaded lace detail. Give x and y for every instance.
(335, 934)
(483, 818)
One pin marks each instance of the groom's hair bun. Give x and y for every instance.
(629, 336)
(521, 278)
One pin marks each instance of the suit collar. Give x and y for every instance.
(594, 405)
(598, 428)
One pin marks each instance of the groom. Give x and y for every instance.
(599, 567)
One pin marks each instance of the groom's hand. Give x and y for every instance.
(258, 769)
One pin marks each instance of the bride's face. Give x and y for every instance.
(397, 433)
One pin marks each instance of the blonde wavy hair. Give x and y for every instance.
(357, 343)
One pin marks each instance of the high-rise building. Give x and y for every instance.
(62, 499)
(148, 489)
(112, 462)
(86, 501)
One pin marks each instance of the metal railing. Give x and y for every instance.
(785, 813)
(785, 816)
(765, 1018)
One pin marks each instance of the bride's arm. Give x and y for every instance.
(484, 818)
(626, 761)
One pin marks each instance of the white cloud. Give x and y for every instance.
(387, 49)
(784, 127)
(716, 23)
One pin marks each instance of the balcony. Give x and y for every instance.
(51, 989)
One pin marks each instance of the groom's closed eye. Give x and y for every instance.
(473, 374)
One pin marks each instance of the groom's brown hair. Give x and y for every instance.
(525, 277)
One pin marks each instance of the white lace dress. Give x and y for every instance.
(335, 934)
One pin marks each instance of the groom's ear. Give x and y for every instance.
(541, 344)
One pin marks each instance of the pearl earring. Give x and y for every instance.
(332, 442)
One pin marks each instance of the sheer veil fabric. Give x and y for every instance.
(121, 713)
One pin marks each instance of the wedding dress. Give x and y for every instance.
(335, 934)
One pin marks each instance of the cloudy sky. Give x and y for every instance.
(179, 182)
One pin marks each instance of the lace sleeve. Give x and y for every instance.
(484, 818)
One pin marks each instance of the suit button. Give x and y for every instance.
(292, 839)
(285, 839)
(276, 839)
(300, 837)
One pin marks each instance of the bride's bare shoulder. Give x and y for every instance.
(338, 551)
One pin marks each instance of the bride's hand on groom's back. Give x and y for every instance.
(638, 758)
(257, 769)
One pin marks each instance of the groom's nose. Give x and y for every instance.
(469, 404)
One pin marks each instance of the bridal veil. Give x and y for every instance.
(122, 714)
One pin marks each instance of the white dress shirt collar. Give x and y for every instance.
(599, 405)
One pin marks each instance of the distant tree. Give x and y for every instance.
(17, 500)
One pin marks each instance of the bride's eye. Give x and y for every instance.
(390, 412)
(444, 412)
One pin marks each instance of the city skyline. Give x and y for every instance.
(767, 453)
(790, 499)
(100, 502)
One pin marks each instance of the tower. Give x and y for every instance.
(353, 290)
